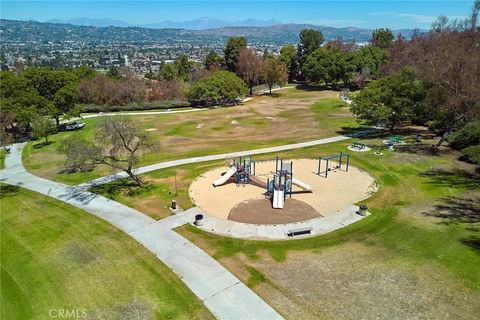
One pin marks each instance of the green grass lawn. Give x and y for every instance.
(425, 217)
(3, 154)
(56, 256)
(264, 121)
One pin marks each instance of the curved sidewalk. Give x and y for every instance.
(239, 230)
(221, 292)
(174, 163)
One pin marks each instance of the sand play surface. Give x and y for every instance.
(341, 189)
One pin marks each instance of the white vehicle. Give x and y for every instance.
(74, 126)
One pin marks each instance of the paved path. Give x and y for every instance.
(222, 293)
(140, 113)
(174, 163)
(239, 230)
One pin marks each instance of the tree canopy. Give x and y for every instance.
(221, 86)
(390, 100)
(232, 51)
(382, 38)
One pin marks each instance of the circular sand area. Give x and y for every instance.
(339, 190)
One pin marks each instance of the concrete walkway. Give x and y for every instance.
(174, 163)
(239, 230)
(222, 293)
(139, 113)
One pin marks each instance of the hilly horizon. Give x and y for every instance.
(202, 23)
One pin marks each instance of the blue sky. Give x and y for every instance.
(370, 14)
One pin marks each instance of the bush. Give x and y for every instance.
(466, 137)
(472, 154)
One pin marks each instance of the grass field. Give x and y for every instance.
(288, 116)
(56, 256)
(3, 154)
(420, 250)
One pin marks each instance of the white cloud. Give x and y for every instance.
(419, 18)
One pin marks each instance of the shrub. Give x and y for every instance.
(472, 154)
(467, 136)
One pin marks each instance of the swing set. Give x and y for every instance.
(336, 159)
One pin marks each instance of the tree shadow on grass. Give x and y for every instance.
(456, 178)
(42, 144)
(363, 132)
(473, 242)
(456, 210)
(7, 190)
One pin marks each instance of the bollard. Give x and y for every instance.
(198, 220)
(362, 210)
(174, 204)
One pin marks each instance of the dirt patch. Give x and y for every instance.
(260, 211)
(355, 281)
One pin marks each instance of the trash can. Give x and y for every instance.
(198, 220)
(362, 210)
(174, 204)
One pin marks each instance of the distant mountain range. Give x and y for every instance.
(279, 34)
(195, 24)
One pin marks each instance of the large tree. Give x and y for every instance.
(275, 73)
(250, 67)
(183, 66)
(288, 55)
(42, 127)
(329, 66)
(394, 99)
(447, 59)
(232, 51)
(220, 87)
(118, 143)
(310, 40)
(213, 61)
(382, 38)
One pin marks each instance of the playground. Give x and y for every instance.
(278, 191)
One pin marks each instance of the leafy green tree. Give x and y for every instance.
(288, 55)
(183, 66)
(213, 61)
(168, 72)
(275, 73)
(382, 38)
(114, 73)
(220, 87)
(310, 40)
(396, 98)
(64, 102)
(42, 127)
(47, 81)
(369, 59)
(232, 51)
(83, 72)
(329, 66)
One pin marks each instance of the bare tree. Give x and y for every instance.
(250, 67)
(447, 60)
(118, 143)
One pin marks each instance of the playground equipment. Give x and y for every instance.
(328, 161)
(242, 171)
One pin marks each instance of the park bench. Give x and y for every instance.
(394, 139)
(359, 145)
(299, 231)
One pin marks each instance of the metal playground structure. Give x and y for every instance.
(336, 160)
